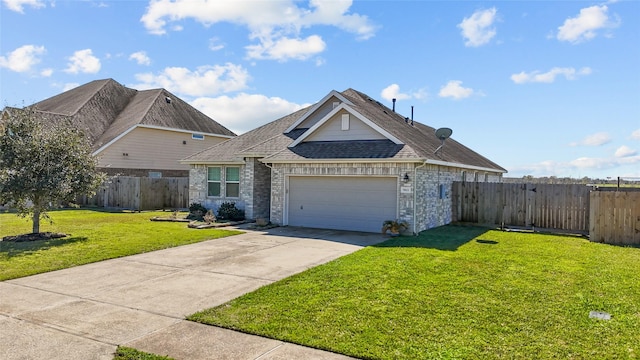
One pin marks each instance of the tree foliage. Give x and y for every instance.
(43, 164)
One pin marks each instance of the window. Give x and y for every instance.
(232, 181)
(345, 121)
(155, 174)
(197, 136)
(213, 181)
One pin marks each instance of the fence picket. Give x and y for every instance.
(136, 193)
(549, 206)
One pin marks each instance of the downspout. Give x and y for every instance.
(415, 194)
(271, 192)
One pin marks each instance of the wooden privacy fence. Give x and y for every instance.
(141, 193)
(549, 206)
(615, 217)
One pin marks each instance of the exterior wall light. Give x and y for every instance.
(406, 177)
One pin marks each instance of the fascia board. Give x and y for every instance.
(339, 161)
(211, 162)
(103, 147)
(462, 166)
(183, 130)
(316, 106)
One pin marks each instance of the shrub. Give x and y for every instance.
(196, 212)
(229, 211)
(197, 207)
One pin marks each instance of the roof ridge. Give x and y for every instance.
(148, 105)
(84, 103)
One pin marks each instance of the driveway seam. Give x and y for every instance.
(270, 351)
(97, 301)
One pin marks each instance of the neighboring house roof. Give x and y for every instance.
(403, 140)
(105, 110)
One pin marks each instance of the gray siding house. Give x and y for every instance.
(347, 162)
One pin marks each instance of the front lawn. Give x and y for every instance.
(95, 236)
(127, 353)
(455, 293)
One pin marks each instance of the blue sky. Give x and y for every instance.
(543, 88)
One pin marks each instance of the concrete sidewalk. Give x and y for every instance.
(140, 301)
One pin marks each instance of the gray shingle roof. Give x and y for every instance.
(419, 141)
(104, 109)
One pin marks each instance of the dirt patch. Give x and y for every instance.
(34, 237)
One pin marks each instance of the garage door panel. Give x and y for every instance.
(348, 203)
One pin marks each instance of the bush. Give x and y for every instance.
(196, 212)
(197, 207)
(229, 211)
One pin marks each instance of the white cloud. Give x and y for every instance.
(83, 61)
(454, 89)
(596, 139)
(46, 72)
(18, 5)
(585, 25)
(245, 112)
(140, 57)
(477, 29)
(636, 135)
(576, 167)
(204, 81)
(215, 44)
(23, 58)
(284, 49)
(393, 92)
(550, 76)
(625, 151)
(276, 25)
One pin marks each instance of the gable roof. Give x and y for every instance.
(105, 109)
(349, 109)
(281, 141)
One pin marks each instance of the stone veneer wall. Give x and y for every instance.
(433, 204)
(281, 171)
(255, 189)
(261, 196)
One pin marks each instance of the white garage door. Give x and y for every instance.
(343, 203)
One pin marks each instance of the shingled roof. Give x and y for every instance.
(419, 142)
(105, 109)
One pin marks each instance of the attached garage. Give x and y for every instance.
(342, 202)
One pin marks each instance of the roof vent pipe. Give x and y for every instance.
(394, 104)
(411, 114)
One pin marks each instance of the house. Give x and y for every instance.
(347, 162)
(135, 133)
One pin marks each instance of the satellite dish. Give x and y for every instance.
(442, 134)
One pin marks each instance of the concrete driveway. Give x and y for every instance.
(140, 301)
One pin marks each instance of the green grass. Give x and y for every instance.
(455, 293)
(127, 353)
(95, 236)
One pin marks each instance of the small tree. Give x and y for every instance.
(43, 164)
